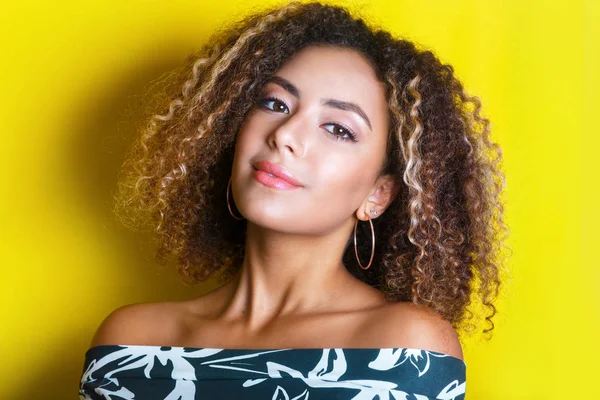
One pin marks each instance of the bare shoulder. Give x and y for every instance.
(420, 327)
(139, 323)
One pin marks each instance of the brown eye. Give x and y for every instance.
(274, 104)
(340, 132)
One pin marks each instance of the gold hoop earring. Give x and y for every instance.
(372, 241)
(228, 206)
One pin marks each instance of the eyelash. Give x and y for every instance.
(337, 137)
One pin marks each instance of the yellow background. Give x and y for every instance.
(71, 75)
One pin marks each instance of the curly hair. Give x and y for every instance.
(439, 240)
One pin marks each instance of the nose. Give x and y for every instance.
(290, 135)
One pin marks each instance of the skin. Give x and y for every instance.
(293, 290)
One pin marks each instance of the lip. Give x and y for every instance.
(282, 178)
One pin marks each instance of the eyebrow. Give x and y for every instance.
(334, 103)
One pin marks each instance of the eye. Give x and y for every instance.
(341, 132)
(275, 102)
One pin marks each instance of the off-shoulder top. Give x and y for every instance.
(189, 373)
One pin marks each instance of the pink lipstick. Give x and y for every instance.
(275, 176)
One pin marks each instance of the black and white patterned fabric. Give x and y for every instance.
(117, 372)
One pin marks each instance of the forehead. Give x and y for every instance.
(337, 66)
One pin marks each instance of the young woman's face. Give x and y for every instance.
(324, 118)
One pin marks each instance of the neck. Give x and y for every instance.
(287, 274)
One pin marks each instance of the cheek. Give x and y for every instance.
(345, 181)
(340, 186)
(246, 141)
(249, 125)
(243, 135)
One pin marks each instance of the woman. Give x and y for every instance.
(285, 131)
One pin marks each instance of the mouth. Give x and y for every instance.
(275, 175)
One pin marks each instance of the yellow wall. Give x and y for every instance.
(70, 70)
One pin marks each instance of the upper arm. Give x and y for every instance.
(125, 325)
(423, 328)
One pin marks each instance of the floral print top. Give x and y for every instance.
(116, 372)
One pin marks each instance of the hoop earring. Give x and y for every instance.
(372, 242)
(228, 206)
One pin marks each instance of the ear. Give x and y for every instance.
(384, 191)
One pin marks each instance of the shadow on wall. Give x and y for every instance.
(102, 132)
